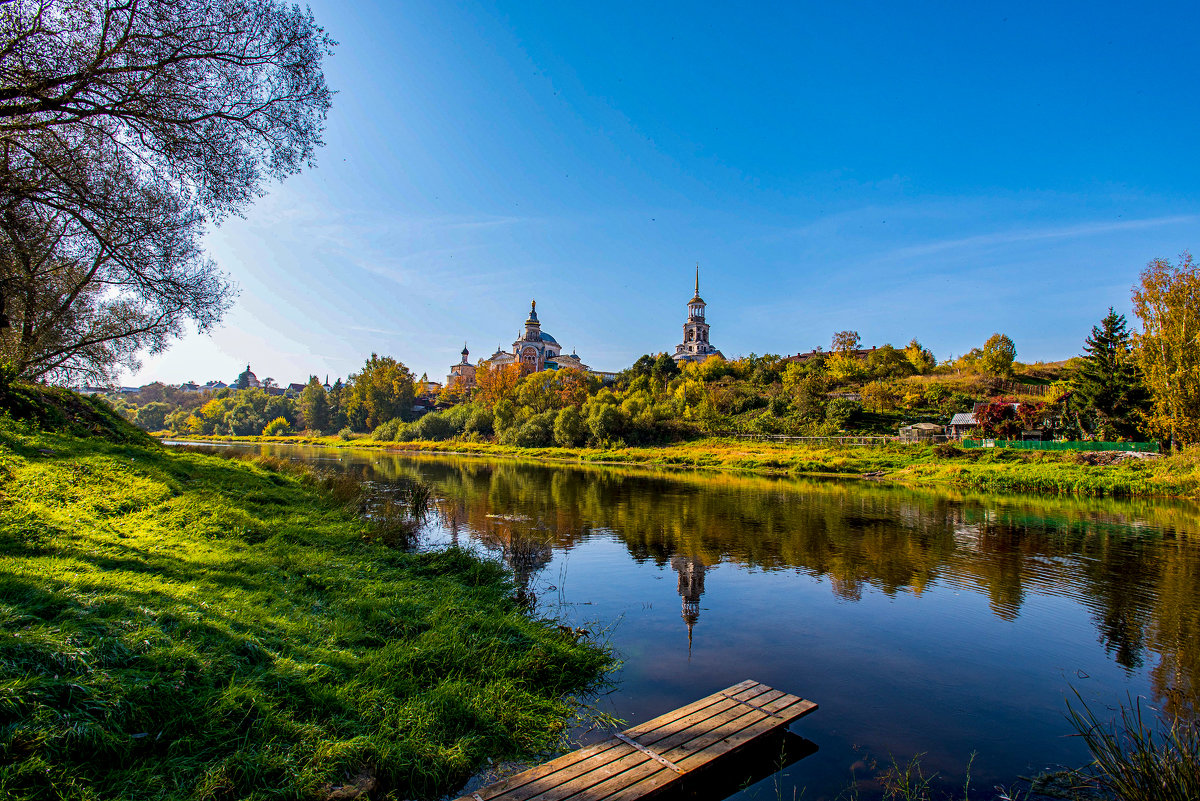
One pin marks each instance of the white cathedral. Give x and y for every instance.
(537, 350)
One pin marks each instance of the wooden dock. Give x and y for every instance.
(656, 755)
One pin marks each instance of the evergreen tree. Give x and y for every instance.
(1108, 388)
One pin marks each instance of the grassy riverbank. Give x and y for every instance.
(178, 625)
(986, 470)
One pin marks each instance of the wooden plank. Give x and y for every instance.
(648, 757)
(719, 744)
(696, 752)
(570, 766)
(631, 764)
(688, 750)
(617, 756)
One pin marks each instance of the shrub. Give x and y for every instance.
(569, 429)
(386, 432)
(841, 412)
(536, 432)
(479, 422)
(277, 428)
(435, 426)
(347, 433)
(604, 423)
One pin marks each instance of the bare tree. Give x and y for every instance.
(126, 126)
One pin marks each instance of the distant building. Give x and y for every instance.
(923, 432)
(295, 389)
(695, 346)
(534, 349)
(859, 353)
(462, 375)
(250, 379)
(962, 424)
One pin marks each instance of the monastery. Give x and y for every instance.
(537, 350)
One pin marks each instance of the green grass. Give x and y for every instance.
(984, 469)
(178, 625)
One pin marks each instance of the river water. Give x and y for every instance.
(922, 622)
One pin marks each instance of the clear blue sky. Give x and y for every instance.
(941, 170)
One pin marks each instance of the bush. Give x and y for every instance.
(604, 422)
(435, 426)
(841, 412)
(347, 433)
(536, 432)
(277, 428)
(386, 432)
(569, 429)
(479, 422)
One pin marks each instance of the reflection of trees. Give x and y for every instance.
(1140, 590)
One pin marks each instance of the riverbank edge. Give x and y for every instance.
(983, 470)
(176, 623)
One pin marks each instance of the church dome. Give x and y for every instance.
(547, 338)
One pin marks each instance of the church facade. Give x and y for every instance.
(534, 349)
(695, 346)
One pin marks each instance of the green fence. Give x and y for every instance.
(1033, 445)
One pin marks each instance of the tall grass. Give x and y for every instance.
(177, 625)
(1139, 757)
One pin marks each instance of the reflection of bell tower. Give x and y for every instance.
(691, 586)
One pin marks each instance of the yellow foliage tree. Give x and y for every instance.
(1168, 347)
(494, 384)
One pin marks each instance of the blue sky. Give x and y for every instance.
(937, 170)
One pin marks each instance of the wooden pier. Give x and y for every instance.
(656, 755)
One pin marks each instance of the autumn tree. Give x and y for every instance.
(381, 391)
(920, 357)
(998, 418)
(313, 405)
(1108, 387)
(844, 342)
(494, 384)
(1167, 302)
(126, 128)
(998, 355)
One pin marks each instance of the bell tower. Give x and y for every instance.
(695, 346)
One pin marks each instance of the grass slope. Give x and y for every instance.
(986, 470)
(176, 625)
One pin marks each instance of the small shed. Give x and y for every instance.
(923, 432)
(962, 424)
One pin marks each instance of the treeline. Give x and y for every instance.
(1130, 386)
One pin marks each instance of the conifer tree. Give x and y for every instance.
(1108, 387)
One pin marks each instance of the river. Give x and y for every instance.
(922, 622)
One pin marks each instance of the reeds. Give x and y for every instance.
(1139, 757)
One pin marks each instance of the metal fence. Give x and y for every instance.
(1033, 445)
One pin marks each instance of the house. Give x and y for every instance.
(962, 424)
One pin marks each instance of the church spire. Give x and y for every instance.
(697, 279)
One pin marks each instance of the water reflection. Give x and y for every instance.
(909, 615)
(1133, 565)
(691, 587)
